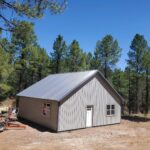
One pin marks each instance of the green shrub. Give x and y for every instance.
(5, 90)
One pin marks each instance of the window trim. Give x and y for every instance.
(47, 109)
(110, 110)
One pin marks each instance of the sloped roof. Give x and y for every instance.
(57, 86)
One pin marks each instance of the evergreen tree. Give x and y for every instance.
(38, 66)
(95, 62)
(89, 61)
(58, 55)
(130, 88)
(85, 61)
(77, 59)
(43, 63)
(146, 69)
(107, 53)
(120, 82)
(26, 8)
(5, 71)
(138, 48)
(23, 38)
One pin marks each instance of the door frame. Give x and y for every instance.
(92, 106)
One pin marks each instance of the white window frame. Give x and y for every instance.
(111, 110)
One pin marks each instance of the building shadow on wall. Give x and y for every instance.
(136, 118)
(35, 125)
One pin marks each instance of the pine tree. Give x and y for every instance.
(26, 8)
(120, 82)
(23, 39)
(5, 71)
(146, 69)
(107, 52)
(58, 55)
(89, 61)
(138, 48)
(95, 62)
(77, 59)
(39, 64)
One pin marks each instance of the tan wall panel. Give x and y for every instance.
(31, 109)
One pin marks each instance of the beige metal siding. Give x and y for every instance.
(31, 109)
(72, 113)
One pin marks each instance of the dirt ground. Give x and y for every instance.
(129, 135)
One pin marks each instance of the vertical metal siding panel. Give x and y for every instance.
(102, 105)
(104, 102)
(72, 113)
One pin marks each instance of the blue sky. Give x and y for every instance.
(88, 21)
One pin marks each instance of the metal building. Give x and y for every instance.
(70, 101)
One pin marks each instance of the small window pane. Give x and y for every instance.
(89, 107)
(108, 112)
(48, 106)
(44, 109)
(112, 106)
(112, 111)
(108, 106)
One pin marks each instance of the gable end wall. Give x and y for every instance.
(72, 113)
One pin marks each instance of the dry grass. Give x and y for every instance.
(8, 102)
(129, 135)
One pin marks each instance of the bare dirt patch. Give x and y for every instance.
(131, 135)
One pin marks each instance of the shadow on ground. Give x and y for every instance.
(136, 118)
(35, 126)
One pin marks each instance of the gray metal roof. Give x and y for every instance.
(57, 86)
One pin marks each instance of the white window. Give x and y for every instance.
(110, 110)
(46, 108)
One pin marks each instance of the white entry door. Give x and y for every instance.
(89, 115)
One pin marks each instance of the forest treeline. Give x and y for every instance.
(23, 62)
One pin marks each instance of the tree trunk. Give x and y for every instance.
(58, 64)
(21, 73)
(137, 91)
(39, 73)
(105, 69)
(32, 77)
(147, 93)
(20, 82)
(129, 94)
